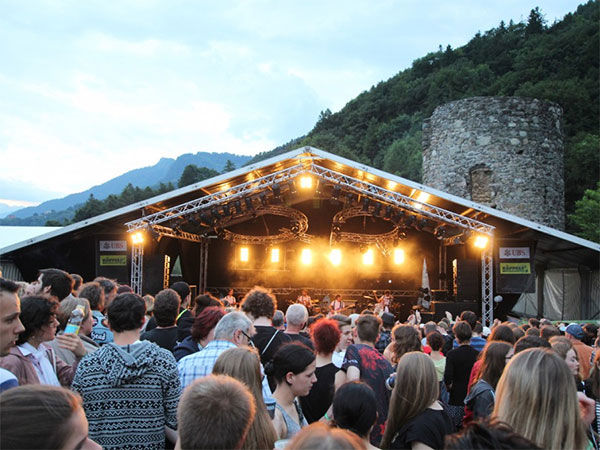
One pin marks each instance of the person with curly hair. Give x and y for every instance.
(260, 305)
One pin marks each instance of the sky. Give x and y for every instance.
(92, 89)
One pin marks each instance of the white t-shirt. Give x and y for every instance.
(42, 365)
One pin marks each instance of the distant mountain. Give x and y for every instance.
(165, 171)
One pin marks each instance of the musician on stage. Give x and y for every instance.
(337, 305)
(304, 299)
(229, 299)
(384, 302)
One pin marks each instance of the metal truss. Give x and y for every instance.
(203, 265)
(487, 286)
(296, 232)
(380, 240)
(399, 200)
(166, 271)
(179, 234)
(137, 263)
(345, 293)
(218, 198)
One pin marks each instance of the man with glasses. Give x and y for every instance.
(233, 330)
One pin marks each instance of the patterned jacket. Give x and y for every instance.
(129, 394)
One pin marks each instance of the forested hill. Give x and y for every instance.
(558, 62)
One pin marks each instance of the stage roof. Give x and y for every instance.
(558, 248)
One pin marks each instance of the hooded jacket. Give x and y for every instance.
(129, 394)
(185, 348)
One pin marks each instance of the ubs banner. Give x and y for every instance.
(515, 271)
(111, 259)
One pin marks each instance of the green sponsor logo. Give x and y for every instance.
(113, 260)
(515, 268)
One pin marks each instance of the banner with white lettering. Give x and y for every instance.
(515, 272)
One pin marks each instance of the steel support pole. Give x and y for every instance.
(487, 285)
(137, 263)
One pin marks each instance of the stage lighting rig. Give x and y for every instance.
(365, 204)
(237, 205)
(377, 209)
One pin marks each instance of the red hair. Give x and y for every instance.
(206, 321)
(325, 334)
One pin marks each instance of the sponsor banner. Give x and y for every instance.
(514, 253)
(113, 246)
(521, 268)
(113, 260)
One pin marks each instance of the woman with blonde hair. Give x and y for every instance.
(536, 396)
(564, 348)
(416, 418)
(243, 363)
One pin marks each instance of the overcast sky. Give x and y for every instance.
(92, 89)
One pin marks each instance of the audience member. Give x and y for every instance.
(296, 317)
(536, 396)
(129, 387)
(459, 362)
(279, 320)
(548, 331)
(110, 290)
(243, 364)
(10, 328)
(259, 305)
(563, 347)
(203, 331)
(487, 434)
(77, 282)
(53, 284)
(385, 334)
(355, 410)
(215, 412)
(204, 301)
(345, 325)
(45, 417)
(479, 402)
(319, 436)
(436, 342)
(149, 300)
(32, 361)
(293, 369)
(326, 335)
(232, 330)
(530, 342)
(67, 306)
(405, 338)
(166, 308)
(364, 362)
(416, 418)
(575, 334)
(94, 293)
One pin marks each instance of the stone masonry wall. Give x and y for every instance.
(504, 152)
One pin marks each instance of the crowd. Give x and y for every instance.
(172, 371)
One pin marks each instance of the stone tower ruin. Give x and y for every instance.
(503, 152)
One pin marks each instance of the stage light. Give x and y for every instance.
(421, 197)
(276, 190)
(238, 207)
(335, 256)
(388, 212)
(263, 198)
(365, 204)
(481, 241)
(306, 182)
(226, 211)
(306, 256)
(377, 209)
(274, 255)
(244, 254)
(292, 187)
(368, 257)
(248, 202)
(137, 238)
(215, 213)
(398, 256)
(335, 194)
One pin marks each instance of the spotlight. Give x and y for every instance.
(398, 256)
(248, 202)
(292, 187)
(226, 211)
(335, 256)
(410, 221)
(205, 218)
(388, 212)
(244, 254)
(274, 255)
(215, 213)
(368, 257)
(306, 256)
(137, 238)
(276, 190)
(422, 224)
(263, 198)
(481, 241)
(349, 198)
(238, 207)
(440, 232)
(335, 194)
(365, 204)
(306, 182)
(377, 209)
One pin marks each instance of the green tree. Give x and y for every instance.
(535, 23)
(192, 174)
(587, 215)
(229, 166)
(403, 157)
